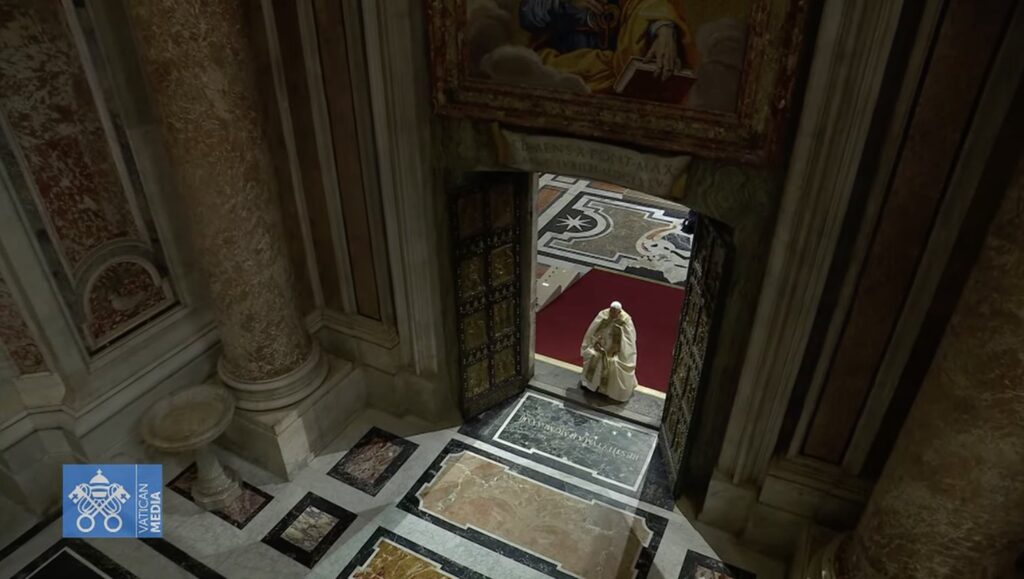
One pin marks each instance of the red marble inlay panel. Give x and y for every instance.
(54, 119)
(120, 295)
(16, 337)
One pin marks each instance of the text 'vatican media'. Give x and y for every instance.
(110, 501)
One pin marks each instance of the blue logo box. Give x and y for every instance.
(103, 501)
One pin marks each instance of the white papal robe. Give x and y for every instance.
(612, 373)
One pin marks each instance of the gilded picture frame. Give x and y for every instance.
(465, 37)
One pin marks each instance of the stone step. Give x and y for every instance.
(553, 282)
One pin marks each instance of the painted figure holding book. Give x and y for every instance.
(693, 76)
(636, 48)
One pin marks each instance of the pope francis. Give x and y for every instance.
(609, 354)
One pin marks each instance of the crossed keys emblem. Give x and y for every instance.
(99, 497)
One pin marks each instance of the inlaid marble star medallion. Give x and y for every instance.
(592, 227)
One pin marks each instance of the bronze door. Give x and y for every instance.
(698, 322)
(487, 213)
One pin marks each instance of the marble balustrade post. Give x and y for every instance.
(950, 502)
(201, 71)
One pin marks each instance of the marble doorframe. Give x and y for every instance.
(851, 51)
(415, 222)
(838, 492)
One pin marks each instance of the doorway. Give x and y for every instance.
(597, 243)
(590, 243)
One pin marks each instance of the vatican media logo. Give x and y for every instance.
(113, 501)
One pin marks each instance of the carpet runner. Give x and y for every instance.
(655, 309)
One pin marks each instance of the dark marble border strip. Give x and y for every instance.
(532, 403)
(655, 488)
(182, 559)
(410, 504)
(373, 487)
(32, 531)
(83, 550)
(220, 514)
(309, 558)
(726, 571)
(642, 408)
(370, 547)
(577, 395)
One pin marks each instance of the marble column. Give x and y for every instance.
(201, 72)
(950, 502)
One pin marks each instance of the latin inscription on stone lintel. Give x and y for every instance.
(652, 174)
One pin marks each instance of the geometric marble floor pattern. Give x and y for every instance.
(393, 498)
(583, 224)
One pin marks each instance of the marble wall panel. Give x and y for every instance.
(16, 338)
(289, 39)
(949, 501)
(347, 144)
(65, 150)
(291, 212)
(957, 72)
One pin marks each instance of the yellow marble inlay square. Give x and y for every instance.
(391, 560)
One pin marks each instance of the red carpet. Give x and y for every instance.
(654, 307)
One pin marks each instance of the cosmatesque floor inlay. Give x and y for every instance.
(239, 512)
(697, 566)
(592, 225)
(591, 446)
(309, 529)
(371, 463)
(545, 523)
(387, 554)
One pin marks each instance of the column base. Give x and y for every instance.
(283, 441)
(282, 391)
